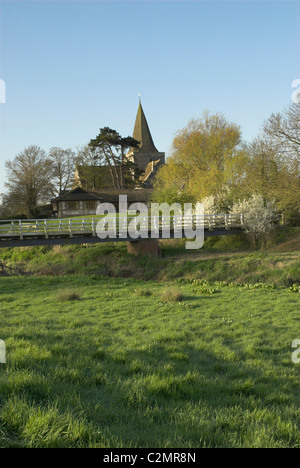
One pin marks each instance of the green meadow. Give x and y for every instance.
(98, 361)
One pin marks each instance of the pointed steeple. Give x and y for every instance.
(142, 133)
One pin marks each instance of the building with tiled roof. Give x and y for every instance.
(82, 201)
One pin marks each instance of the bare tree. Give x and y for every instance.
(283, 130)
(29, 180)
(63, 162)
(88, 159)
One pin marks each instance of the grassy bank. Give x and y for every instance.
(104, 362)
(221, 259)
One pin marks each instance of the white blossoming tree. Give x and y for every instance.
(259, 217)
(217, 204)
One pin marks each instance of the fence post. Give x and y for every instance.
(93, 228)
(46, 229)
(242, 219)
(70, 228)
(226, 222)
(20, 229)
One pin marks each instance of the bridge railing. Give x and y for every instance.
(69, 227)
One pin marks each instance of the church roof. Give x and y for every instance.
(80, 194)
(142, 133)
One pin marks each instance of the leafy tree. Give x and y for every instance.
(172, 195)
(29, 181)
(206, 156)
(113, 149)
(262, 168)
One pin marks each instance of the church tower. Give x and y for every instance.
(146, 155)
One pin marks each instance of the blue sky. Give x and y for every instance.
(72, 67)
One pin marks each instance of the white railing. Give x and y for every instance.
(70, 227)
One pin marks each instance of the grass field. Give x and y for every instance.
(94, 361)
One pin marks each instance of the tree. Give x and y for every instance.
(283, 130)
(113, 149)
(171, 195)
(206, 156)
(87, 159)
(217, 204)
(262, 168)
(63, 162)
(259, 215)
(29, 181)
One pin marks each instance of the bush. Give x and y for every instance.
(172, 295)
(217, 204)
(68, 295)
(143, 292)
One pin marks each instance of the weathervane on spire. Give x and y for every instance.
(139, 97)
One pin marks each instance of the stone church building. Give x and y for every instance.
(146, 158)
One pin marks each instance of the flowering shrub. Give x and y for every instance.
(217, 204)
(259, 217)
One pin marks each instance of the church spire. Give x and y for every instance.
(142, 133)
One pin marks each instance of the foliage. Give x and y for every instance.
(295, 288)
(65, 295)
(259, 217)
(275, 175)
(210, 162)
(203, 287)
(217, 204)
(280, 264)
(172, 294)
(143, 292)
(171, 195)
(113, 149)
(205, 157)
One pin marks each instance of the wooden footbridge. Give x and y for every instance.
(37, 232)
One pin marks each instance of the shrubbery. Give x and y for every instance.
(259, 218)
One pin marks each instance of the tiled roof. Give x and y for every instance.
(133, 195)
